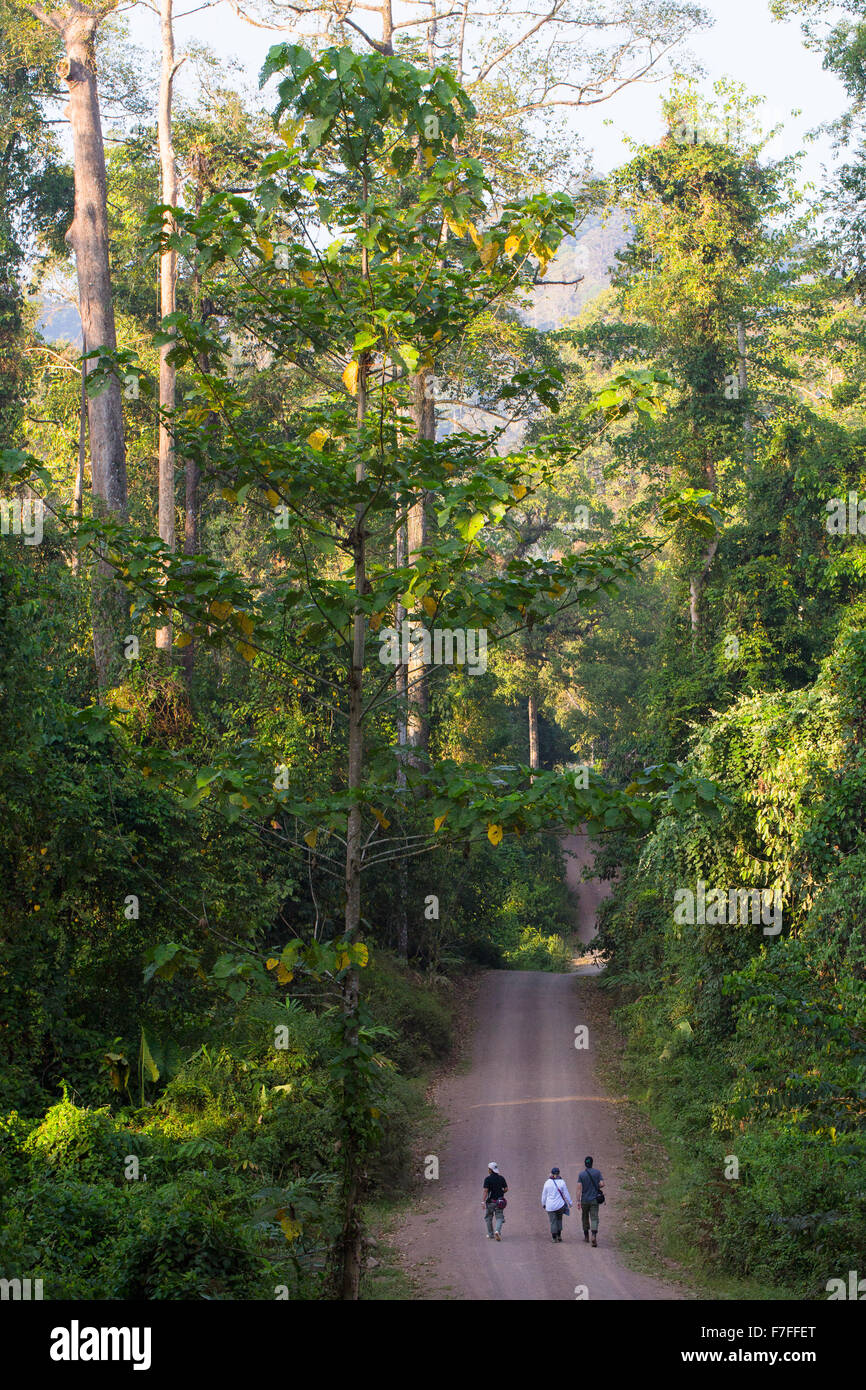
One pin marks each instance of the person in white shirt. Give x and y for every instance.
(556, 1200)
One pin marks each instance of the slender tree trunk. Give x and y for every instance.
(88, 238)
(167, 297)
(349, 1244)
(533, 731)
(190, 547)
(401, 688)
(192, 473)
(418, 730)
(78, 492)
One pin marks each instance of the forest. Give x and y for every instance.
(388, 492)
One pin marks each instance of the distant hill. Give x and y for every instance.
(589, 254)
(59, 322)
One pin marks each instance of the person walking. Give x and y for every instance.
(495, 1188)
(590, 1197)
(556, 1200)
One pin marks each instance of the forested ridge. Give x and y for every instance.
(345, 569)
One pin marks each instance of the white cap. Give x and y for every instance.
(494, 1167)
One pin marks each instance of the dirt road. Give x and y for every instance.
(529, 1099)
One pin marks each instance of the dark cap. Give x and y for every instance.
(555, 1170)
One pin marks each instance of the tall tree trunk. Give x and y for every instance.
(78, 492)
(192, 473)
(190, 546)
(533, 731)
(418, 726)
(88, 238)
(348, 1250)
(401, 683)
(167, 296)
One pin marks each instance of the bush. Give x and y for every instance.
(86, 1144)
(190, 1244)
(65, 1232)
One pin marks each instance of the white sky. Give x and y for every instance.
(745, 43)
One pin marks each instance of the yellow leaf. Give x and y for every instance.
(246, 803)
(246, 651)
(437, 335)
(311, 837)
(283, 975)
(429, 157)
(429, 605)
(183, 639)
(271, 963)
(220, 610)
(376, 622)
(267, 247)
(439, 822)
(350, 378)
(145, 772)
(383, 820)
(229, 494)
(518, 491)
(488, 252)
(361, 954)
(375, 1111)
(342, 960)
(474, 235)
(245, 624)
(494, 833)
(511, 244)
(317, 438)
(390, 169)
(289, 130)
(273, 497)
(291, 1229)
(308, 278)
(458, 228)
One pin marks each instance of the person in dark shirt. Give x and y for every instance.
(495, 1188)
(590, 1184)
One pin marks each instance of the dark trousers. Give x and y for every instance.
(556, 1221)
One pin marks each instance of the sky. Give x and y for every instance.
(744, 43)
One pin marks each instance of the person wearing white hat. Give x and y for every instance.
(493, 1201)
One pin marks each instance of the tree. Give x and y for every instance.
(167, 290)
(76, 24)
(701, 270)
